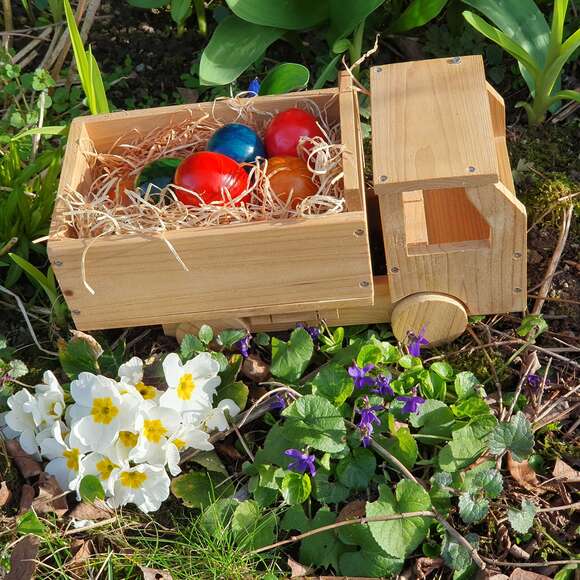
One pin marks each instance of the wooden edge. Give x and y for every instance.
(497, 109)
(505, 168)
(475, 180)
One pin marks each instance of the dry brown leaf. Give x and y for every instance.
(229, 451)
(563, 471)
(82, 550)
(25, 463)
(154, 574)
(255, 369)
(521, 574)
(23, 561)
(523, 474)
(297, 569)
(48, 489)
(26, 498)
(352, 510)
(98, 510)
(5, 494)
(424, 566)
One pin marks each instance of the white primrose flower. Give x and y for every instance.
(48, 405)
(191, 385)
(21, 421)
(131, 379)
(185, 437)
(146, 486)
(65, 458)
(96, 414)
(120, 450)
(155, 426)
(102, 466)
(215, 418)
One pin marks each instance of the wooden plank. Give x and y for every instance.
(431, 125)
(497, 110)
(250, 269)
(415, 222)
(505, 169)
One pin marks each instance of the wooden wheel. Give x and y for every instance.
(443, 317)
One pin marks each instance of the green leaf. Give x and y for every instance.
(474, 406)
(410, 362)
(238, 392)
(516, 436)
(286, 14)
(290, 359)
(180, 11)
(199, 489)
(285, 78)
(76, 356)
(205, 334)
(355, 471)
(400, 537)
(190, 346)
(313, 421)
(17, 369)
(465, 384)
(217, 516)
(333, 383)
(472, 509)
(491, 481)
(346, 16)
(570, 95)
(148, 3)
(326, 491)
(533, 324)
(418, 13)
(522, 520)
(211, 461)
(29, 523)
(91, 489)
(228, 338)
(47, 130)
(462, 450)
(369, 354)
(296, 488)
(443, 369)
(434, 418)
(37, 277)
(403, 446)
(234, 46)
(454, 554)
(253, 529)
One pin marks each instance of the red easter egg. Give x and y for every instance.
(290, 175)
(286, 128)
(209, 175)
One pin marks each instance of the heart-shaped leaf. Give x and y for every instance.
(285, 78)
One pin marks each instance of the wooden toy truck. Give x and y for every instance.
(454, 232)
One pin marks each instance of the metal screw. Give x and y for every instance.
(76, 311)
(378, 69)
(517, 255)
(58, 263)
(364, 284)
(455, 60)
(383, 178)
(517, 289)
(471, 169)
(394, 269)
(359, 232)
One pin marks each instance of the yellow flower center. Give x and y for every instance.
(132, 479)
(128, 439)
(179, 443)
(153, 430)
(104, 411)
(51, 409)
(146, 391)
(105, 466)
(186, 387)
(72, 459)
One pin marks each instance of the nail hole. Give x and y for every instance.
(517, 289)
(383, 178)
(394, 269)
(359, 232)
(364, 284)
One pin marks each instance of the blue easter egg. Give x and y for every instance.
(238, 142)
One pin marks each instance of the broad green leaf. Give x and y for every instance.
(400, 537)
(333, 383)
(199, 489)
(472, 509)
(205, 334)
(296, 487)
(36, 276)
(558, 19)
(326, 491)
(285, 78)
(454, 554)
(295, 519)
(217, 516)
(190, 346)
(355, 471)
(491, 481)
(76, 356)
(278, 439)
(251, 527)
(285, 14)
(211, 461)
(290, 359)
(403, 446)
(418, 13)
(228, 338)
(568, 95)
(314, 421)
(465, 384)
(346, 16)
(29, 523)
(522, 520)
(471, 407)
(234, 46)
(464, 448)
(238, 392)
(532, 324)
(516, 437)
(91, 489)
(434, 418)
(180, 11)
(17, 369)
(443, 369)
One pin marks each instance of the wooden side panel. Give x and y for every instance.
(250, 269)
(497, 109)
(415, 220)
(431, 125)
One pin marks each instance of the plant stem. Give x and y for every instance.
(200, 14)
(8, 22)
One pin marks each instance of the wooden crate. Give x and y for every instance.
(235, 271)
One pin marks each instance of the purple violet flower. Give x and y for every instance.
(359, 375)
(384, 386)
(254, 86)
(302, 462)
(418, 340)
(411, 403)
(278, 402)
(313, 331)
(244, 345)
(534, 380)
(368, 416)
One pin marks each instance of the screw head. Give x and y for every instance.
(76, 311)
(394, 269)
(58, 263)
(517, 290)
(378, 69)
(471, 169)
(383, 178)
(455, 60)
(517, 255)
(359, 232)
(364, 284)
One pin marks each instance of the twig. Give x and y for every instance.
(36, 138)
(556, 256)
(243, 442)
(73, 531)
(8, 246)
(8, 23)
(519, 387)
(365, 520)
(530, 564)
(31, 45)
(554, 299)
(544, 412)
(557, 418)
(559, 508)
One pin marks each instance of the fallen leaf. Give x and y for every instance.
(297, 569)
(352, 510)
(82, 550)
(92, 343)
(520, 574)
(26, 498)
(26, 464)
(523, 473)
(98, 510)
(424, 566)
(229, 451)
(5, 494)
(48, 489)
(255, 369)
(563, 471)
(23, 561)
(154, 574)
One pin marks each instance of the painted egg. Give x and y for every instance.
(209, 175)
(290, 175)
(157, 175)
(286, 129)
(237, 141)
